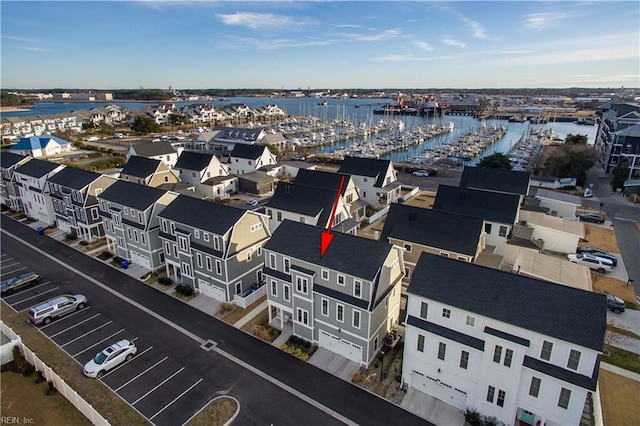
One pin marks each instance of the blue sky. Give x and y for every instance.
(302, 44)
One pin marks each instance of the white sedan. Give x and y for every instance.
(110, 358)
(422, 173)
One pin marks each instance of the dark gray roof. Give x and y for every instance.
(73, 177)
(190, 160)
(303, 200)
(323, 180)
(491, 206)
(633, 131)
(238, 133)
(202, 214)
(36, 168)
(141, 167)
(558, 372)
(510, 181)
(365, 167)
(453, 232)
(555, 310)
(355, 256)
(250, 152)
(153, 149)
(10, 159)
(134, 195)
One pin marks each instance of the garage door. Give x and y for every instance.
(141, 259)
(439, 389)
(341, 346)
(212, 291)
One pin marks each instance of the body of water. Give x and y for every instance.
(355, 110)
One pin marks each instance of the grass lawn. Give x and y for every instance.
(621, 358)
(216, 413)
(618, 288)
(93, 391)
(237, 313)
(620, 399)
(23, 398)
(602, 238)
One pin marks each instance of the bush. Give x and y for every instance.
(262, 333)
(472, 417)
(71, 236)
(357, 376)
(165, 281)
(28, 369)
(84, 243)
(184, 290)
(297, 352)
(306, 344)
(226, 306)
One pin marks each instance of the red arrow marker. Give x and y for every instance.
(326, 236)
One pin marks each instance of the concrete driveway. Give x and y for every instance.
(335, 364)
(431, 409)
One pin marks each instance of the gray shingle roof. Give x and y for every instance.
(250, 152)
(555, 310)
(453, 232)
(355, 256)
(36, 168)
(365, 167)
(303, 200)
(9, 159)
(491, 206)
(141, 167)
(202, 214)
(190, 160)
(139, 197)
(73, 177)
(153, 149)
(323, 180)
(513, 182)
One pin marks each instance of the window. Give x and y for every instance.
(94, 214)
(286, 290)
(464, 359)
(239, 287)
(287, 265)
(208, 263)
(183, 243)
(356, 319)
(126, 211)
(143, 239)
(497, 354)
(301, 285)
(420, 343)
(546, 350)
(340, 279)
(279, 217)
(196, 233)
(340, 313)
(444, 254)
(534, 387)
(565, 395)
(216, 243)
(218, 267)
(302, 316)
(471, 321)
(407, 247)
(172, 227)
(302, 219)
(442, 348)
(274, 288)
(325, 274)
(357, 288)
(487, 228)
(508, 357)
(325, 307)
(501, 396)
(249, 255)
(175, 250)
(574, 359)
(199, 260)
(272, 261)
(424, 309)
(255, 227)
(186, 269)
(446, 313)
(491, 392)
(407, 272)
(140, 217)
(129, 236)
(206, 236)
(135, 235)
(503, 231)
(167, 247)
(259, 251)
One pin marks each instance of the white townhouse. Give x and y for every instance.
(163, 151)
(41, 146)
(504, 344)
(345, 301)
(196, 167)
(31, 180)
(249, 158)
(375, 179)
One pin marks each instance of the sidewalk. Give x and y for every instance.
(261, 307)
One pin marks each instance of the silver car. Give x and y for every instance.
(56, 307)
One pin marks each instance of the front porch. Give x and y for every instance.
(280, 318)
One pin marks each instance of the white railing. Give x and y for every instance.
(81, 405)
(409, 195)
(246, 301)
(377, 215)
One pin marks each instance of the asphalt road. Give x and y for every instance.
(239, 365)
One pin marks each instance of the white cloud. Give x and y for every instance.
(270, 44)
(410, 58)
(423, 45)
(516, 52)
(258, 20)
(34, 49)
(543, 20)
(23, 39)
(476, 29)
(384, 35)
(452, 42)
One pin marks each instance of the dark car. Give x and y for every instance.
(20, 281)
(591, 217)
(600, 253)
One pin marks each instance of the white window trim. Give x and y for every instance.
(325, 274)
(357, 314)
(344, 280)
(338, 306)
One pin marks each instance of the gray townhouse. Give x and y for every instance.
(129, 214)
(215, 248)
(496, 180)
(345, 301)
(147, 171)
(197, 167)
(73, 193)
(9, 191)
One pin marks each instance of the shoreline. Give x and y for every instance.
(13, 109)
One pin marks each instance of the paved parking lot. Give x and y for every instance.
(160, 388)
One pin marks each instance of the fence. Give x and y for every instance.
(377, 215)
(246, 301)
(81, 405)
(412, 192)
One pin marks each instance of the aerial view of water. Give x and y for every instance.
(355, 110)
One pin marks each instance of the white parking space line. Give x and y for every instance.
(142, 373)
(75, 325)
(157, 386)
(11, 271)
(64, 319)
(86, 334)
(176, 398)
(37, 295)
(124, 363)
(96, 344)
(30, 288)
(8, 264)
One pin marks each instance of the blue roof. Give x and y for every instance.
(37, 142)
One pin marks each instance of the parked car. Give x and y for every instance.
(422, 173)
(20, 281)
(614, 303)
(56, 307)
(298, 158)
(110, 358)
(252, 203)
(599, 253)
(591, 217)
(599, 264)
